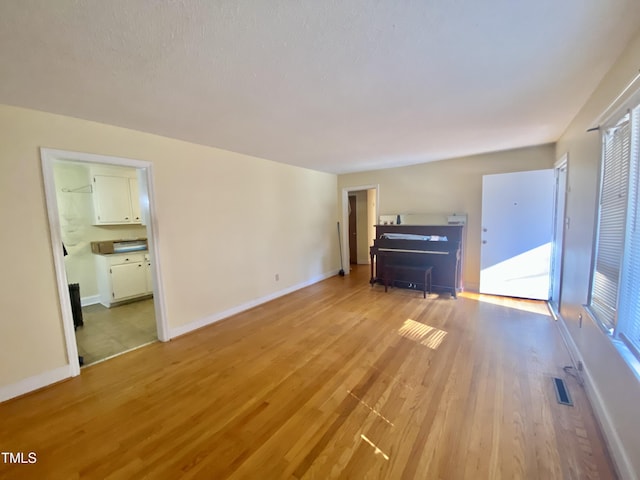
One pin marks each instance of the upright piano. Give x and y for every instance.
(438, 246)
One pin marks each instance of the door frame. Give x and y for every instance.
(353, 253)
(145, 171)
(560, 206)
(344, 232)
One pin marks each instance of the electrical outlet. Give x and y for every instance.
(277, 277)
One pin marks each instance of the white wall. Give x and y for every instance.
(226, 224)
(612, 387)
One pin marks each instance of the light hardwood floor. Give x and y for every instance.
(338, 380)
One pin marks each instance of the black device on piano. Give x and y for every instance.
(445, 256)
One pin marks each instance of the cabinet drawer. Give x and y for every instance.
(126, 258)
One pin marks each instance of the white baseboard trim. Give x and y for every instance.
(34, 383)
(471, 287)
(92, 300)
(616, 448)
(203, 322)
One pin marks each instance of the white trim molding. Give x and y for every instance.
(90, 300)
(344, 232)
(49, 157)
(35, 382)
(216, 317)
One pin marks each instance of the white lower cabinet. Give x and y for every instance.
(122, 277)
(148, 275)
(128, 280)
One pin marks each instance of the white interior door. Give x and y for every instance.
(517, 229)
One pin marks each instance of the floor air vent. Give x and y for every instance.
(562, 394)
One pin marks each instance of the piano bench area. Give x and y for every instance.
(391, 271)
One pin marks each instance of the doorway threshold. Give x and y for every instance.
(118, 354)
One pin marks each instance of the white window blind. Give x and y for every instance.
(611, 222)
(628, 328)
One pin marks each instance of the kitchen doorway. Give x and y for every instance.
(114, 318)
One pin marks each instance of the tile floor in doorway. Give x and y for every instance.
(109, 331)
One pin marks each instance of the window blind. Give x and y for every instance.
(629, 305)
(611, 222)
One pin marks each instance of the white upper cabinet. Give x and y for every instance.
(136, 211)
(116, 198)
(112, 199)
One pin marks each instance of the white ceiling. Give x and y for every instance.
(333, 85)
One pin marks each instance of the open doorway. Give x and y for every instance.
(353, 229)
(559, 225)
(360, 213)
(118, 290)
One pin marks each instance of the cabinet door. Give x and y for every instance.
(149, 278)
(128, 280)
(136, 211)
(112, 199)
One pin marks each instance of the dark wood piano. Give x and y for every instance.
(444, 256)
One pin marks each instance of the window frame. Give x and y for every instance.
(617, 332)
(608, 326)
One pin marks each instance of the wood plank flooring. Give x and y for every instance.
(338, 380)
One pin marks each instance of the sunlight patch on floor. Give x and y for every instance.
(377, 450)
(531, 306)
(423, 334)
(373, 410)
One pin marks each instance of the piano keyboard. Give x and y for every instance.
(412, 251)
